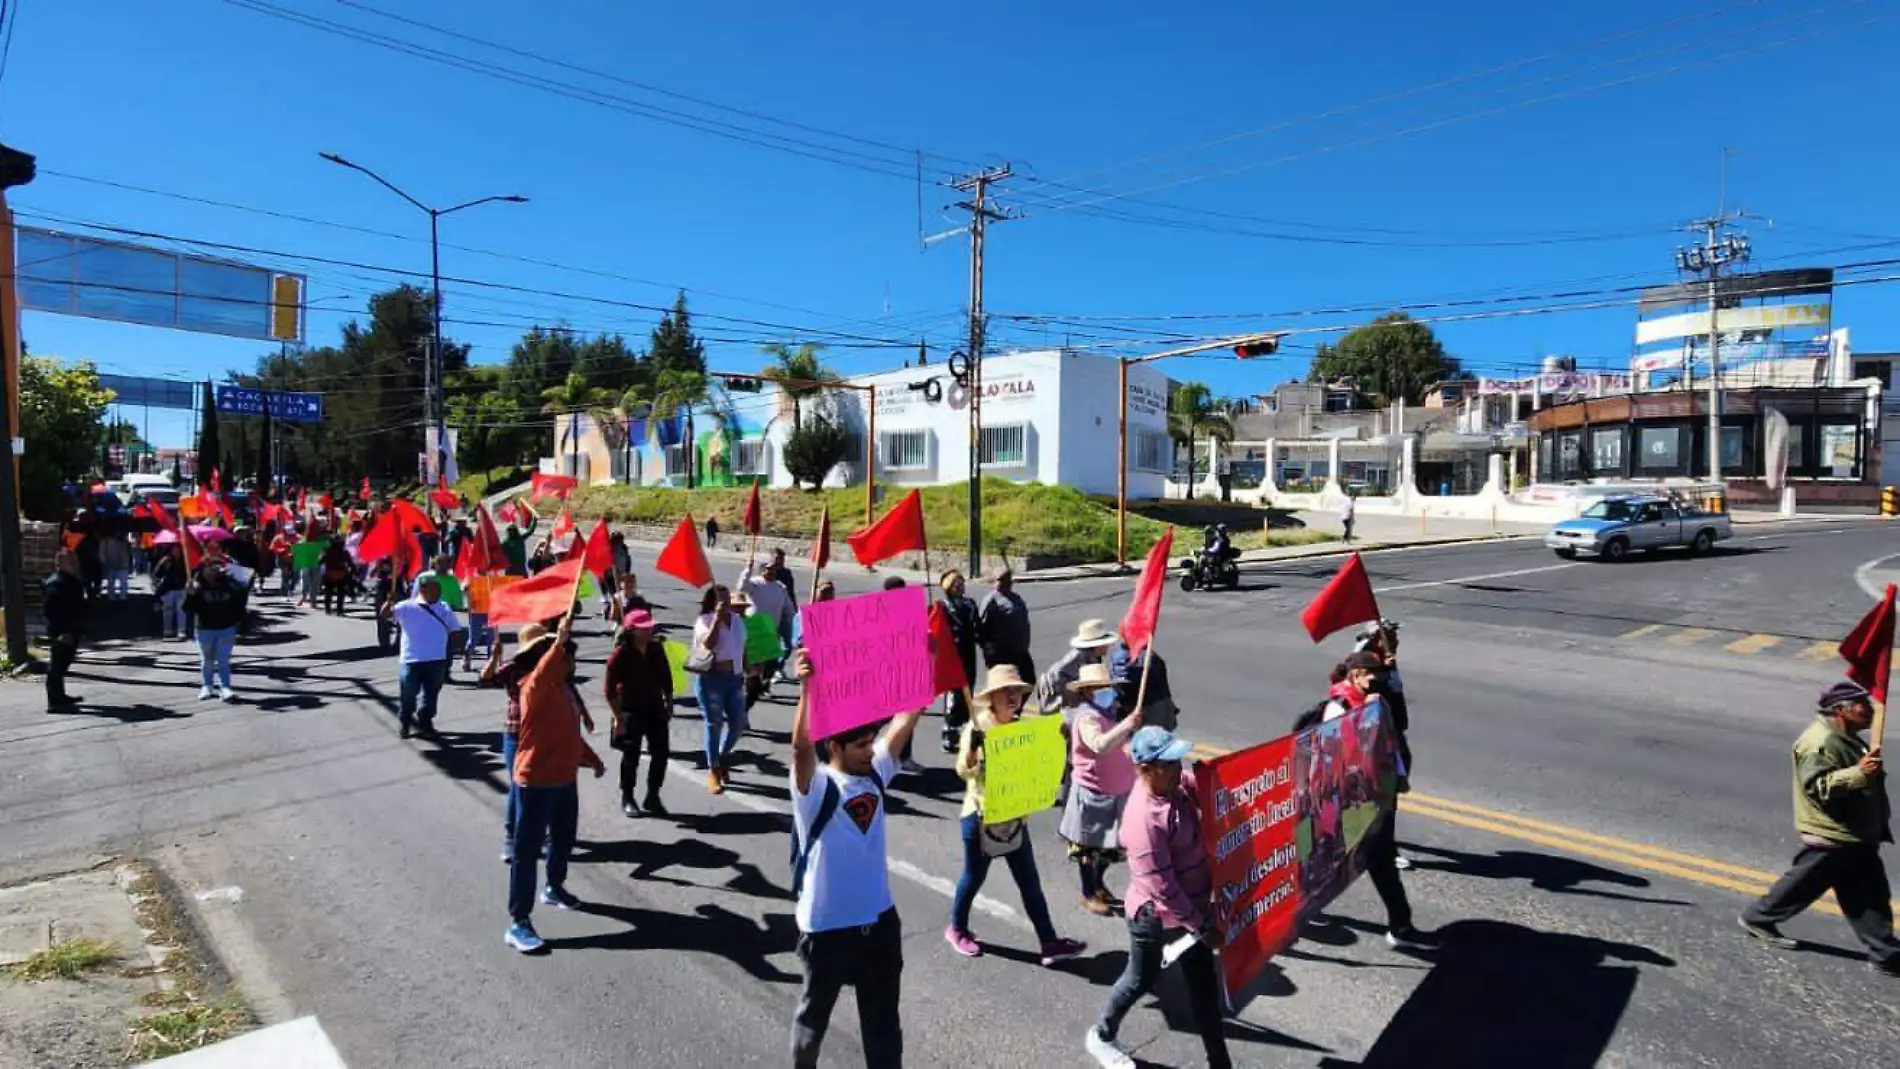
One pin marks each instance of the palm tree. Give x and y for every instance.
(669, 392)
(1194, 414)
(575, 396)
(799, 373)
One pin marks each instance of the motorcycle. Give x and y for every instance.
(1207, 572)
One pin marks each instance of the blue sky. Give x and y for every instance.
(1403, 136)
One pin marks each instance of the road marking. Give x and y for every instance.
(1863, 574)
(896, 866)
(1648, 629)
(1470, 578)
(1688, 636)
(1820, 651)
(1753, 643)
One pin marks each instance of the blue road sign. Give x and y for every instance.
(245, 401)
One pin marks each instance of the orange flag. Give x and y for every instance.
(683, 558)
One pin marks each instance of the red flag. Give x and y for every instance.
(194, 553)
(465, 568)
(599, 555)
(899, 530)
(1138, 626)
(266, 513)
(446, 500)
(365, 493)
(946, 663)
(163, 517)
(489, 556)
(326, 502)
(506, 513)
(821, 546)
(303, 502)
(683, 558)
(411, 517)
(1346, 600)
(557, 486)
(216, 486)
(563, 526)
(1868, 648)
(753, 523)
(383, 539)
(536, 598)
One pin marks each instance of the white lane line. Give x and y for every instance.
(1472, 578)
(1863, 576)
(897, 866)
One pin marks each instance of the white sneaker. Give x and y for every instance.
(205, 694)
(1107, 1053)
(226, 694)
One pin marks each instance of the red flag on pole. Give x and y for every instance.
(1138, 626)
(506, 513)
(465, 561)
(536, 598)
(163, 517)
(365, 493)
(382, 540)
(303, 502)
(442, 497)
(821, 546)
(899, 530)
(543, 485)
(217, 486)
(326, 502)
(946, 664)
(1346, 600)
(753, 522)
(489, 555)
(411, 517)
(194, 552)
(684, 558)
(1868, 648)
(563, 526)
(598, 556)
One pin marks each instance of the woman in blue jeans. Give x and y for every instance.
(720, 631)
(215, 603)
(997, 705)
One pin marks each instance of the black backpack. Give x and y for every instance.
(1312, 717)
(827, 808)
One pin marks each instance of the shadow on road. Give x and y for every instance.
(1505, 995)
(650, 858)
(141, 713)
(708, 929)
(1546, 872)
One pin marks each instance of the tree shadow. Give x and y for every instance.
(709, 929)
(137, 713)
(1546, 872)
(1499, 992)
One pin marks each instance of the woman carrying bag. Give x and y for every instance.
(640, 699)
(1101, 777)
(997, 704)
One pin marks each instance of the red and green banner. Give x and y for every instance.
(1285, 824)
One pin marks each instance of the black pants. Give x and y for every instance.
(335, 591)
(871, 959)
(1147, 938)
(1382, 868)
(59, 662)
(959, 713)
(652, 731)
(1859, 883)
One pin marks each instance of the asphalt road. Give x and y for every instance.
(1602, 782)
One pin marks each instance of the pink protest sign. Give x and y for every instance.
(870, 658)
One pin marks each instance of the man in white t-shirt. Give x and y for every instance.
(426, 625)
(848, 930)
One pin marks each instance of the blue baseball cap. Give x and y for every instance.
(1152, 744)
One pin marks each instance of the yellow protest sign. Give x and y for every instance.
(1022, 768)
(676, 653)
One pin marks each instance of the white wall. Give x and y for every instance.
(1090, 410)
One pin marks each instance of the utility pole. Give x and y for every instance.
(16, 169)
(978, 186)
(1717, 252)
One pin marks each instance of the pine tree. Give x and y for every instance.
(208, 444)
(674, 347)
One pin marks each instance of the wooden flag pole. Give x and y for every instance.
(1879, 730)
(752, 555)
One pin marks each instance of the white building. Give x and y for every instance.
(1048, 416)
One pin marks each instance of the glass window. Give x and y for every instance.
(1734, 455)
(676, 461)
(1153, 451)
(1661, 449)
(904, 450)
(1840, 450)
(1570, 455)
(1005, 447)
(1544, 448)
(1606, 451)
(748, 458)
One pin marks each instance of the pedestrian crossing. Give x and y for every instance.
(1746, 644)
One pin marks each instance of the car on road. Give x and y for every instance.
(1613, 527)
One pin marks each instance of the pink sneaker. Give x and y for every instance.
(1056, 951)
(963, 943)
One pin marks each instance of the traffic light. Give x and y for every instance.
(742, 384)
(1264, 347)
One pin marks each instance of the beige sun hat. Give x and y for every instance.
(1092, 677)
(1093, 634)
(1002, 677)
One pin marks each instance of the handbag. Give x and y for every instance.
(1001, 840)
(700, 662)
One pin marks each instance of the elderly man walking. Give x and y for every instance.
(1841, 812)
(1090, 645)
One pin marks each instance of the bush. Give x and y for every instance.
(813, 449)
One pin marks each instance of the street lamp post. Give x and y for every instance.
(432, 414)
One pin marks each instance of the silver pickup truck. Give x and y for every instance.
(1613, 527)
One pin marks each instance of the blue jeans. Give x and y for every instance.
(722, 702)
(976, 868)
(214, 655)
(419, 679)
(512, 810)
(546, 812)
(479, 634)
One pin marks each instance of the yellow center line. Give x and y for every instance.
(1753, 643)
(1688, 636)
(1820, 651)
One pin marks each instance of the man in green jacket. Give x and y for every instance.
(1841, 812)
(514, 545)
